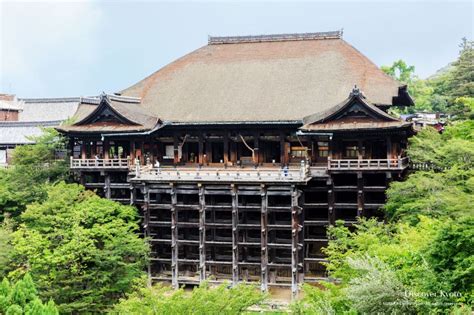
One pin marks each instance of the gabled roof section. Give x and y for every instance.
(356, 112)
(110, 113)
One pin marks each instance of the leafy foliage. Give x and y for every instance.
(33, 166)
(451, 91)
(22, 298)
(5, 246)
(83, 250)
(378, 290)
(204, 299)
(447, 192)
(377, 263)
(329, 299)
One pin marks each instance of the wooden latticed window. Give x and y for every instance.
(323, 149)
(351, 151)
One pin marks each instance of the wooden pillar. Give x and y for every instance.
(360, 195)
(154, 150)
(133, 195)
(296, 241)
(106, 149)
(107, 190)
(208, 152)
(132, 151)
(282, 148)
(201, 149)
(233, 152)
(174, 238)
(83, 150)
(202, 233)
(331, 210)
(360, 145)
(175, 149)
(389, 147)
(146, 225)
(264, 239)
(226, 147)
(256, 148)
(235, 236)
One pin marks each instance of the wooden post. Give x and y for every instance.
(296, 229)
(331, 210)
(174, 238)
(202, 233)
(175, 149)
(132, 151)
(235, 236)
(107, 192)
(201, 149)
(360, 195)
(106, 149)
(264, 239)
(360, 145)
(83, 150)
(389, 147)
(233, 152)
(256, 152)
(208, 152)
(146, 226)
(282, 148)
(226, 147)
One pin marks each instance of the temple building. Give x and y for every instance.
(22, 119)
(240, 154)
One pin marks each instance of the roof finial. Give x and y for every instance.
(104, 97)
(355, 91)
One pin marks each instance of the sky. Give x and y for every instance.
(77, 48)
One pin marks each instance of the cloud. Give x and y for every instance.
(45, 36)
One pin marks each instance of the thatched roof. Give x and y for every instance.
(279, 78)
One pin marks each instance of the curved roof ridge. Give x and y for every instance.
(214, 40)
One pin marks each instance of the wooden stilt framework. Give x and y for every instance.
(107, 190)
(296, 242)
(235, 235)
(331, 210)
(174, 238)
(264, 239)
(146, 224)
(360, 195)
(202, 234)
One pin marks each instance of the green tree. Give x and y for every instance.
(5, 246)
(22, 298)
(461, 81)
(446, 192)
(203, 300)
(33, 166)
(83, 250)
(378, 290)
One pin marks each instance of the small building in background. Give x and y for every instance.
(23, 118)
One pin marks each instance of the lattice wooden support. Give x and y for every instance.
(235, 235)
(264, 239)
(174, 238)
(202, 233)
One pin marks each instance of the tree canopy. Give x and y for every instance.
(84, 251)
